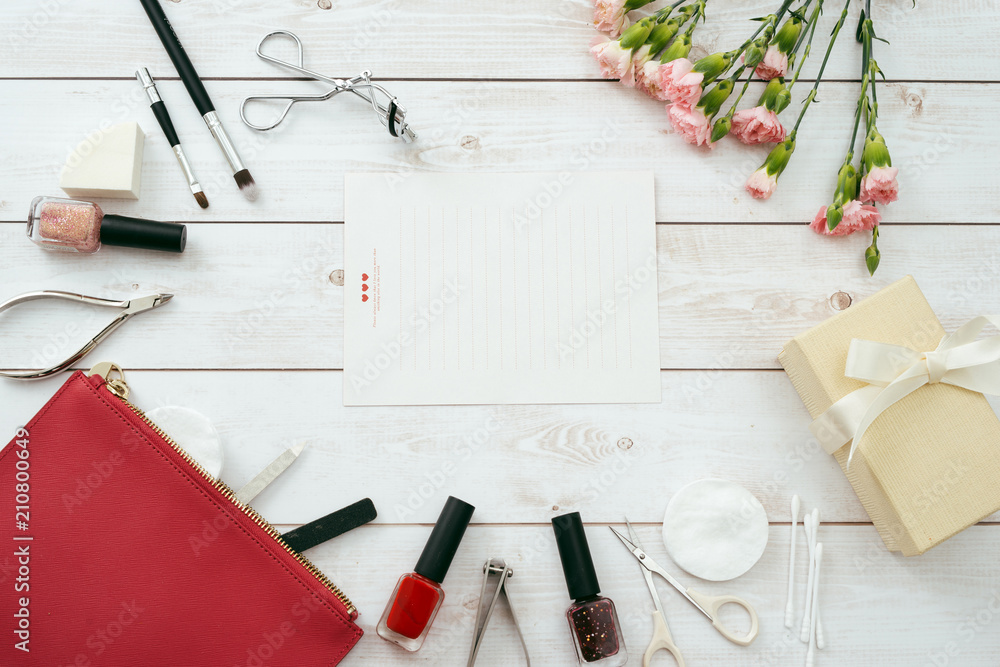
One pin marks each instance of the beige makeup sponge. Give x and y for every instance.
(108, 163)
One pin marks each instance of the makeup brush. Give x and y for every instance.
(163, 117)
(199, 95)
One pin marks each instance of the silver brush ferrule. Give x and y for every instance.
(142, 74)
(186, 168)
(225, 143)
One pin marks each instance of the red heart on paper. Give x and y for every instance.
(364, 288)
(364, 297)
(364, 276)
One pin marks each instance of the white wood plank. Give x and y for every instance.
(517, 463)
(444, 38)
(935, 133)
(878, 609)
(262, 296)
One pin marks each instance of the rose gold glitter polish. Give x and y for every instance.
(65, 224)
(81, 226)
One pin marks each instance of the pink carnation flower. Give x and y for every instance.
(758, 126)
(775, 63)
(679, 83)
(857, 217)
(880, 185)
(634, 71)
(610, 16)
(650, 80)
(613, 59)
(761, 185)
(690, 123)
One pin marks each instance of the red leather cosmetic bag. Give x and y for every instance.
(117, 549)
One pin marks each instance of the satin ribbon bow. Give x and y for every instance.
(895, 371)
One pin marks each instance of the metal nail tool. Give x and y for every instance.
(706, 604)
(383, 103)
(495, 573)
(128, 309)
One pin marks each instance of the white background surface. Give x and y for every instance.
(254, 337)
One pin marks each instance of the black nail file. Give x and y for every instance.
(330, 526)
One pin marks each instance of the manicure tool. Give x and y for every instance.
(495, 569)
(790, 605)
(706, 604)
(252, 488)
(128, 309)
(383, 103)
(330, 526)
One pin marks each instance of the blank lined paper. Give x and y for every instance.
(500, 288)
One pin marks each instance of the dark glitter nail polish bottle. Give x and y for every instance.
(592, 618)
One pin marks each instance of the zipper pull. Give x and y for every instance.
(116, 385)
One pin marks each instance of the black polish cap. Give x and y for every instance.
(120, 230)
(574, 551)
(444, 540)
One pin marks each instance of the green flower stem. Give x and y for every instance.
(862, 98)
(810, 28)
(746, 84)
(735, 53)
(662, 15)
(819, 76)
(698, 13)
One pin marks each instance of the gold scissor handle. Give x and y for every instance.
(712, 604)
(662, 641)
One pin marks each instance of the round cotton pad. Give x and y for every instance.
(195, 434)
(714, 529)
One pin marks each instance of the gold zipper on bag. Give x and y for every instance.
(118, 387)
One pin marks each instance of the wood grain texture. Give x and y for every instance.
(877, 609)
(445, 38)
(254, 337)
(518, 464)
(936, 132)
(263, 295)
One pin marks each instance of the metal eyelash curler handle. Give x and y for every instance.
(390, 114)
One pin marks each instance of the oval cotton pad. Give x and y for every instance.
(194, 433)
(714, 529)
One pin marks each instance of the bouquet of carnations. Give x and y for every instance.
(652, 55)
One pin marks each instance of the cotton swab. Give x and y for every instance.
(810, 654)
(820, 641)
(809, 525)
(790, 606)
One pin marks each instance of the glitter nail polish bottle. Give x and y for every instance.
(81, 226)
(593, 620)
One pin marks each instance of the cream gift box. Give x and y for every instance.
(929, 465)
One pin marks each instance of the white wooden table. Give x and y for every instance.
(254, 336)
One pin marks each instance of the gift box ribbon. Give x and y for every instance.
(896, 371)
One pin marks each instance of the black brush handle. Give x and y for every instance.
(330, 526)
(160, 111)
(178, 55)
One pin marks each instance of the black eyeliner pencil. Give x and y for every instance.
(199, 95)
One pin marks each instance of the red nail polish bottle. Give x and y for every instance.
(592, 619)
(418, 596)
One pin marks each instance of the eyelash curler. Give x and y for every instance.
(383, 103)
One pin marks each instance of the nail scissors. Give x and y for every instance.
(383, 103)
(706, 604)
(129, 308)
